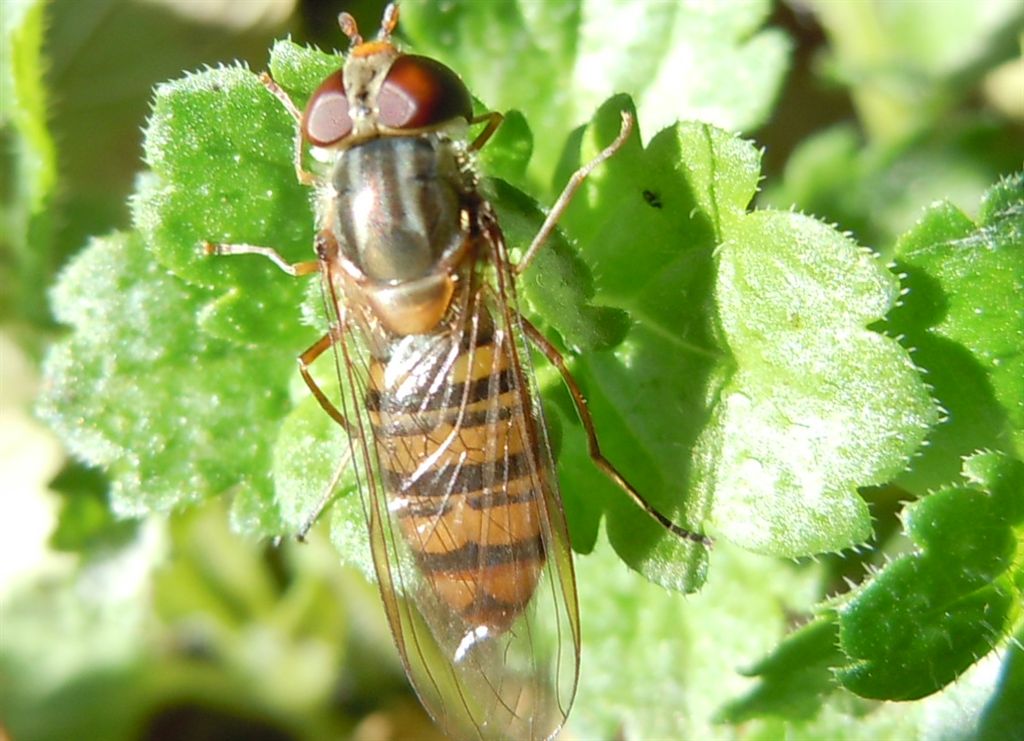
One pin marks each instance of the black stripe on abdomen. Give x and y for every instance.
(406, 425)
(458, 478)
(456, 395)
(475, 556)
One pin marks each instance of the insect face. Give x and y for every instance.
(382, 92)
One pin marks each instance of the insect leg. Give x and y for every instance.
(294, 269)
(325, 497)
(493, 120)
(305, 177)
(570, 190)
(306, 359)
(594, 448)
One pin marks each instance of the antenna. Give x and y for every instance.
(350, 28)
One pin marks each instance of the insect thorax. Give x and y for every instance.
(400, 213)
(398, 204)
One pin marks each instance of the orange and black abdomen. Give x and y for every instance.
(462, 474)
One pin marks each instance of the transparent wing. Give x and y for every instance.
(460, 493)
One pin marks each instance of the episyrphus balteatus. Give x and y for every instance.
(446, 431)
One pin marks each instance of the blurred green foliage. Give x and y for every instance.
(784, 380)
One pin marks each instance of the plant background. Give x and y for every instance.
(181, 621)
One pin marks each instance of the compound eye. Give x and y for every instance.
(420, 92)
(325, 120)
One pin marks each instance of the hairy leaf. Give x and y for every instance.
(794, 679)
(964, 316)
(932, 613)
(749, 391)
(220, 150)
(173, 414)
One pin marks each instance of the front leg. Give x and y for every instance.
(304, 176)
(294, 269)
(569, 191)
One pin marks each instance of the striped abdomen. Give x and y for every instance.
(461, 471)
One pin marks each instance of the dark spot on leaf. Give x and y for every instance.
(652, 199)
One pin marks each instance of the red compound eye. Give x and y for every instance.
(326, 120)
(420, 92)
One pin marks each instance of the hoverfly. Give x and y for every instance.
(446, 432)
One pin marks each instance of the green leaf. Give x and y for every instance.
(29, 164)
(748, 329)
(738, 365)
(964, 315)
(558, 285)
(794, 679)
(172, 414)
(301, 69)
(309, 450)
(220, 148)
(677, 61)
(932, 613)
(99, 62)
(508, 152)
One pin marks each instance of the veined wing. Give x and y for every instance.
(460, 493)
